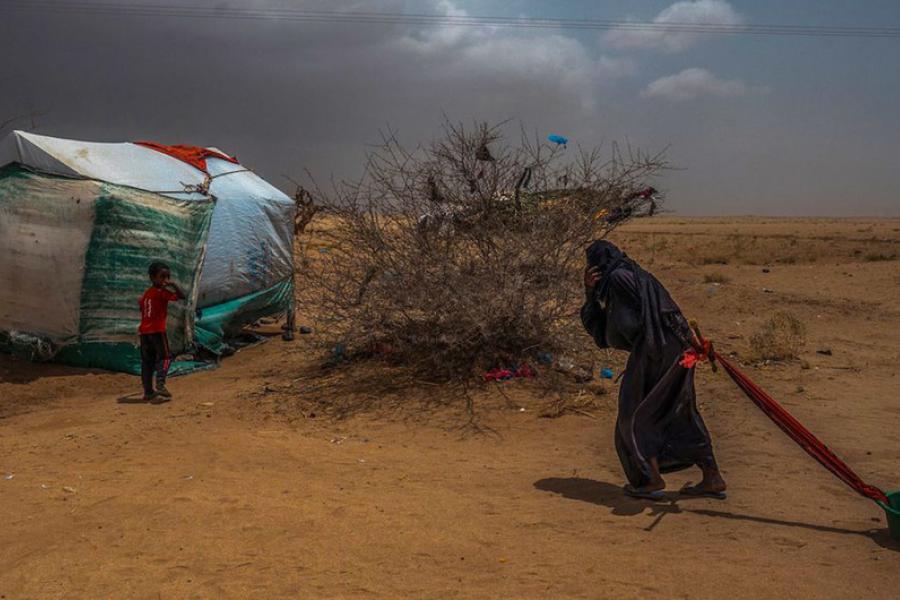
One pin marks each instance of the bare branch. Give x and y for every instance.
(465, 254)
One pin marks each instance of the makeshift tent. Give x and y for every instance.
(80, 222)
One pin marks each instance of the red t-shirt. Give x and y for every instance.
(154, 309)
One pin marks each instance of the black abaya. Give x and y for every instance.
(658, 414)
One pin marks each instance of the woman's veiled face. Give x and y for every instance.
(601, 254)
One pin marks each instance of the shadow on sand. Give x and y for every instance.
(20, 371)
(134, 398)
(606, 494)
(138, 398)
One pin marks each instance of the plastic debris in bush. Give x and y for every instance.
(558, 139)
(499, 374)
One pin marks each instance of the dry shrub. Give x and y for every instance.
(466, 254)
(307, 209)
(332, 395)
(585, 403)
(716, 278)
(780, 338)
(878, 257)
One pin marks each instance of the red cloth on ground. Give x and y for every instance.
(192, 155)
(155, 309)
(498, 374)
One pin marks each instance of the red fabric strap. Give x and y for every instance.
(193, 155)
(786, 422)
(692, 356)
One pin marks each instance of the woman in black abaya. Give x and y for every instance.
(659, 429)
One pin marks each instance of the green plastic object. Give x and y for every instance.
(217, 323)
(892, 513)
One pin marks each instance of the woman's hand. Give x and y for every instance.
(591, 277)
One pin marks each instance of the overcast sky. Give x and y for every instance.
(758, 124)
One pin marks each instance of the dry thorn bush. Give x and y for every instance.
(584, 402)
(716, 277)
(878, 257)
(781, 338)
(465, 254)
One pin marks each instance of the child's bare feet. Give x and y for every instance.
(161, 390)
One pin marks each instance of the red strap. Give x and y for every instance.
(692, 356)
(193, 155)
(786, 422)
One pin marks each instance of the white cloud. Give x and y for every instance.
(693, 83)
(691, 12)
(549, 61)
(553, 57)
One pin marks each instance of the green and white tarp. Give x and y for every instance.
(80, 222)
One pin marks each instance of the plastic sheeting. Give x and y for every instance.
(120, 163)
(74, 263)
(45, 229)
(250, 239)
(131, 230)
(217, 323)
(78, 229)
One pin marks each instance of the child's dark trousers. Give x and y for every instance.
(154, 359)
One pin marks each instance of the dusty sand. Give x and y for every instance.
(217, 494)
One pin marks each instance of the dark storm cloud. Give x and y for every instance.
(284, 96)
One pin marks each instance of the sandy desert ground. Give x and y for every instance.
(221, 493)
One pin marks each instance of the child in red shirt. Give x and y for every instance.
(154, 343)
